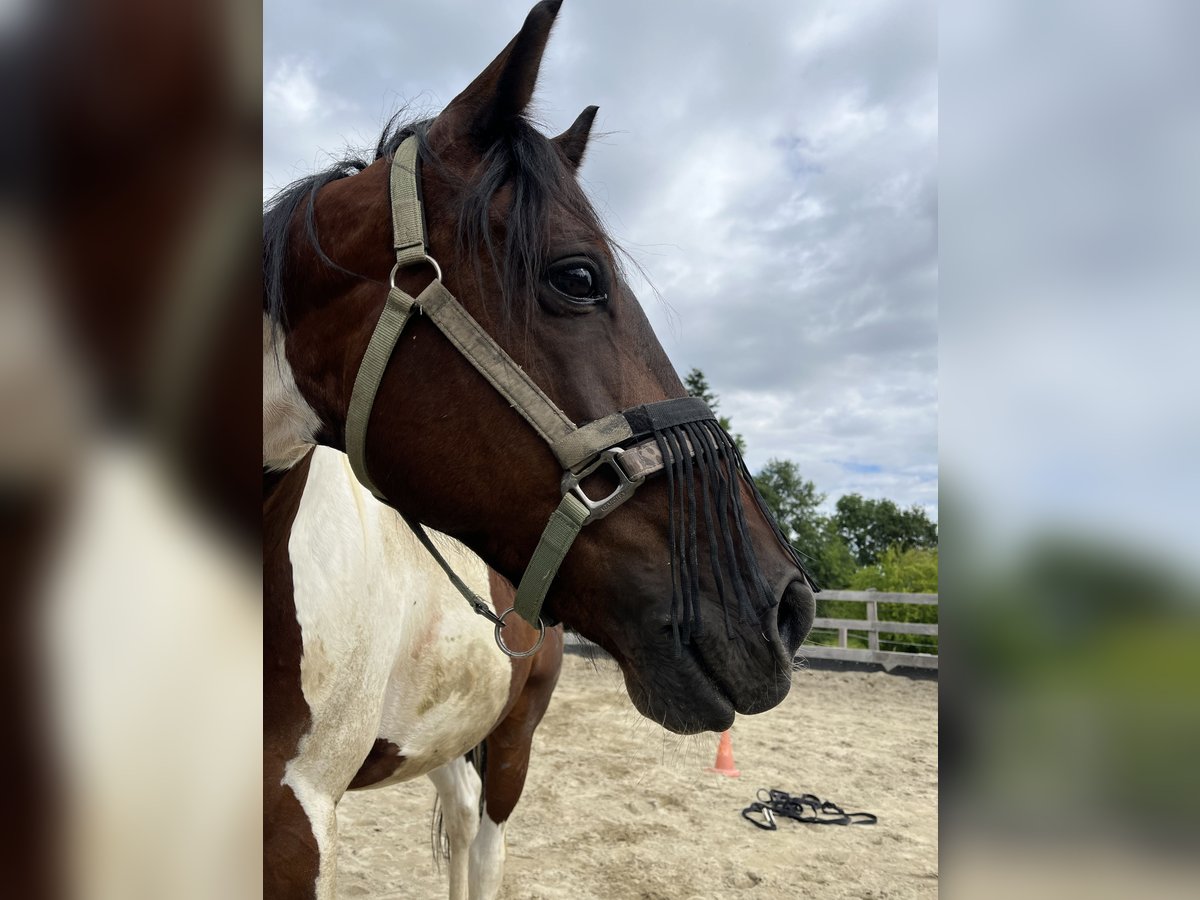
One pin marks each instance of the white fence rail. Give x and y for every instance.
(889, 659)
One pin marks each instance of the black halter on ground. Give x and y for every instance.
(807, 808)
(677, 437)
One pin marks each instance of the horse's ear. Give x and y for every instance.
(573, 141)
(502, 91)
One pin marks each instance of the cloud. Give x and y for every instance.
(292, 94)
(772, 166)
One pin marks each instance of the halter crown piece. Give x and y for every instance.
(634, 444)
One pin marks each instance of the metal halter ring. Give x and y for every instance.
(425, 258)
(519, 654)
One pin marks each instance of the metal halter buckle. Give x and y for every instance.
(519, 654)
(425, 258)
(598, 509)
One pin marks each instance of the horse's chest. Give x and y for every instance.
(392, 655)
(444, 695)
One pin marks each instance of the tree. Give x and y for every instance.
(911, 571)
(870, 527)
(697, 386)
(796, 503)
(834, 548)
(834, 567)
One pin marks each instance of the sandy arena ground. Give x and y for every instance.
(615, 807)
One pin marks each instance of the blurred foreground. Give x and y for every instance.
(129, 389)
(1070, 723)
(1069, 210)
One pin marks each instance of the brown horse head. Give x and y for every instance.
(688, 584)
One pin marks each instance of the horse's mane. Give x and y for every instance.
(523, 158)
(280, 211)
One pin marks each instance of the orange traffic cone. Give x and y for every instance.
(724, 764)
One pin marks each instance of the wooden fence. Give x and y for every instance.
(890, 659)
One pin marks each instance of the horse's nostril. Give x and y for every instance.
(795, 614)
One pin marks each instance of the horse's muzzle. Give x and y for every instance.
(793, 615)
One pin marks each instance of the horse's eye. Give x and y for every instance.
(577, 280)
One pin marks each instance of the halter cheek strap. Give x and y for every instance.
(627, 442)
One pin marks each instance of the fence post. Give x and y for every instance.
(871, 622)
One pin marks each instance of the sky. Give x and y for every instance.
(771, 165)
(1070, 209)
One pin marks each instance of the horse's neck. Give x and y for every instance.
(344, 522)
(289, 423)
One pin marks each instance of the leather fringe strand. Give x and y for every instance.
(713, 470)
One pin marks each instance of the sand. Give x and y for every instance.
(615, 807)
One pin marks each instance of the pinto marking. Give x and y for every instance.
(290, 425)
(488, 852)
(399, 675)
(380, 662)
(459, 789)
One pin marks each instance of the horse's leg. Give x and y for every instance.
(487, 858)
(299, 834)
(458, 789)
(293, 844)
(506, 764)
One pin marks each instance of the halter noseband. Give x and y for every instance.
(619, 441)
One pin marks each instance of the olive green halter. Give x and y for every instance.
(581, 450)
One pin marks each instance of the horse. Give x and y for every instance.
(446, 689)
(445, 314)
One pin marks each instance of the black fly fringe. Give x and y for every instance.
(705, 462)
(770, 517)
(669, 471)
(701, 457)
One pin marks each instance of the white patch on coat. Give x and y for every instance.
(488, 852)
(458, 788)
(390, 649)
(289, 423)
(321, 809)
(147, 631)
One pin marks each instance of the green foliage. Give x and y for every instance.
(1071, 633)
(911, 571)
(697, 386)
(834, 567)
(865, 544)
(796, 503)
(870, 527)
